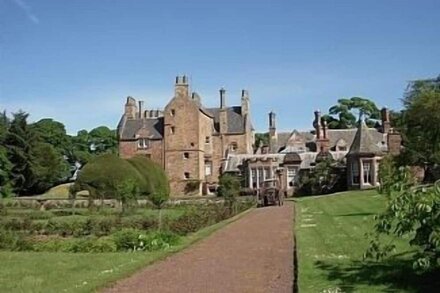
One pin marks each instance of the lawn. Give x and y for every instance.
(331, 240)
(80, 272)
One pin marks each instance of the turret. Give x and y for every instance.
(181, 87)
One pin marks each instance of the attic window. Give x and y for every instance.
(143, 143)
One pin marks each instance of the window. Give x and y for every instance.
(254, 177)
(267, 174)
(355, 172)
(260, 177)
(186, 175)
(186, 156)
(291, 173)
(173, 112)
(342, 148)
(208, 168)
(233, 146)
(172, 129)
(367, 172)
(143, 143)
(207, 139)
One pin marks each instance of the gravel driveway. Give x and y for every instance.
(252, 254)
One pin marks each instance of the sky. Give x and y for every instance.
(77, 61)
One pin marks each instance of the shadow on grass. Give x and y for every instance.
(394, 274)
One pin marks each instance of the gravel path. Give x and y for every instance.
(252, 254)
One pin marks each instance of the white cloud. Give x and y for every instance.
(28, 10)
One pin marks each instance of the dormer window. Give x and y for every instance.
(143, 143)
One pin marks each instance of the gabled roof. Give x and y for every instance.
(363, 142)
(129, 127)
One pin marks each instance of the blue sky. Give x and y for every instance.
(76, 61)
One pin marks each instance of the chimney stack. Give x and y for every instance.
(141, 106)
(222, 98)
(272, 121)
(386, 123)
(317, 124)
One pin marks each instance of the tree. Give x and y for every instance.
(159, 198)
(49, 167)
(326, 177)
(261, 139)
(5, 164)
(411, 213)
(20, 140)
(420, 117)
(348, 111)
(229, 189)
(103, 140)
(127, 191)
(53, 133)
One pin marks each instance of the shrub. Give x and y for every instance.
(101, 176)
(90, 244)
(127, 239)
(157, 241)
(153, 175)
(10, 240)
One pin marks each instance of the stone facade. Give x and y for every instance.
(189, 141)
(291, 153)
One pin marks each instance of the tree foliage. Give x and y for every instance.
(36, 156)
(411, 213)
(106, 176)
(420, 118)
(261, 139)
(348, 111)
(326, 177)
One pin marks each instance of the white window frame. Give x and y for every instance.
(143, 143)
(208, 168)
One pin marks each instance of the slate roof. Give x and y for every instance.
(348, 135)
(283, 137)
(236, 121)
(364, 142)
(334, 135)
(128, 128)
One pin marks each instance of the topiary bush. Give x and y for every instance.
(104, 174)
(153, 176)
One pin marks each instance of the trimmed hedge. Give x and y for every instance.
(102, 176)
(154, 176)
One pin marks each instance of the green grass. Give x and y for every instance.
(80, 272)
(331, 242)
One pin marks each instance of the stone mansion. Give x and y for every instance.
(189, 141)
(195, 145)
